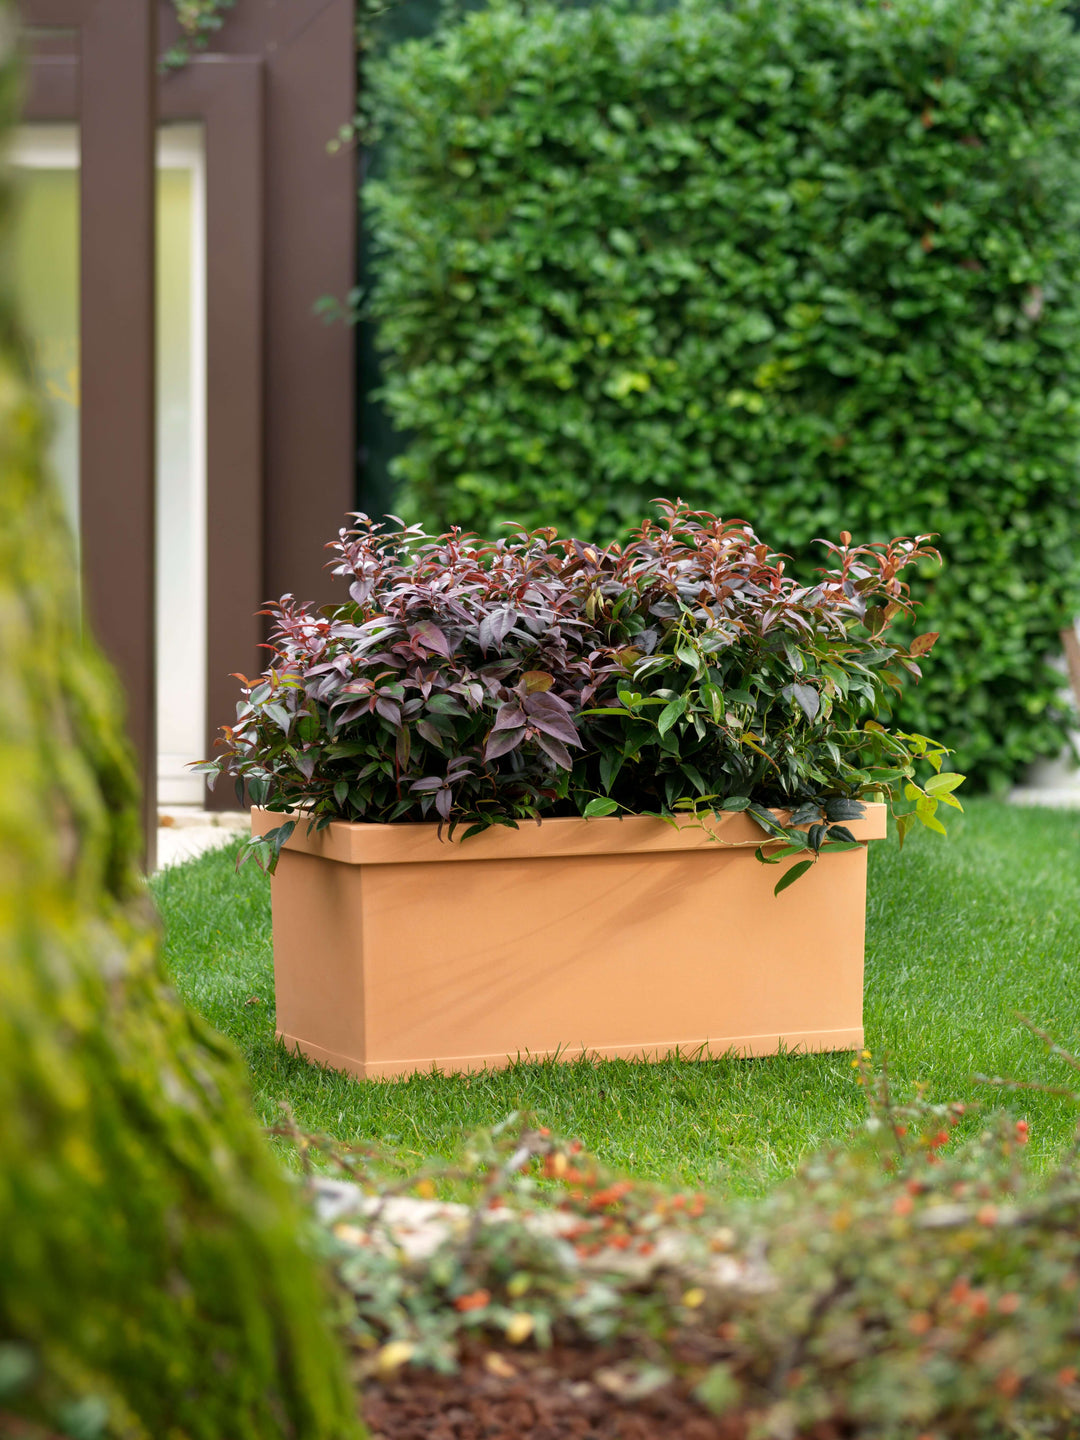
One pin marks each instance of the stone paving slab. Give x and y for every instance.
(184, 832)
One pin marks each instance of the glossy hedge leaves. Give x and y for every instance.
(489, 682)
(813, 261)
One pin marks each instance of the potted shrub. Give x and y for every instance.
(671, 713)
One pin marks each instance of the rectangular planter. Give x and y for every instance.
(395, 951)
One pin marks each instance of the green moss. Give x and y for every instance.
(152, 1278)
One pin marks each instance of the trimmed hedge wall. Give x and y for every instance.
(811, 262)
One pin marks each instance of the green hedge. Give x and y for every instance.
(810, 262)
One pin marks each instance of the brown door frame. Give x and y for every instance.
(225, 95)
(308, 48)
(117, 48)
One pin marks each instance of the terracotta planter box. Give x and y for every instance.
(395, 951)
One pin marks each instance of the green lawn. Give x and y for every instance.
(962, 934)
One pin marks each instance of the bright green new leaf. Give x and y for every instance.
(942, 785)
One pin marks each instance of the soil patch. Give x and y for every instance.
(559, 1394)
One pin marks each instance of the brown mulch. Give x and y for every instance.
(558, 1394)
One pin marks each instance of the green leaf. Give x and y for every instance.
(602, 805)
(346, 749)
(341, 792)
(839, 807)
(279, 715)
(736, 802)
(932, 823)
(403, 746)
(610, 765)
(807, 814)
(720, 1391)
(941, 785)
(259, 790)
(693, 774)
(671, 712)
(766, 819)
(808, 699)
(790, 876)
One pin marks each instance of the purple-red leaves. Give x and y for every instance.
(551, 715)
(501, 742)
(555, 749)
(495, 627)
(510, 717)
(427, 637)
(483, 681)
(539, 716)
(390, 710)
(507, 733)
(534, 715)
(427, 731)
(440, 790)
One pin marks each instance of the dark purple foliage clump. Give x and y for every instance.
(486, 682)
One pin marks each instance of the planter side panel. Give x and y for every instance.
(474, 963)
(318, 954)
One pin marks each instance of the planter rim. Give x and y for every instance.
(361, 843)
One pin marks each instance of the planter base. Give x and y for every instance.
(741, 1045)
(397, 952)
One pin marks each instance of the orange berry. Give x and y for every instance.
(476, 1301)
(1007, 1383)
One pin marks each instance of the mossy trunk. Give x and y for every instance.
(152, 1278)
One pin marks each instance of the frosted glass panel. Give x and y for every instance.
(47, 287)
(181, 524)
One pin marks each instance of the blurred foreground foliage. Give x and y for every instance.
(918, 1281)
(153, 1280)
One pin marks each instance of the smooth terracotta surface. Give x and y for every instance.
(396, 951)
